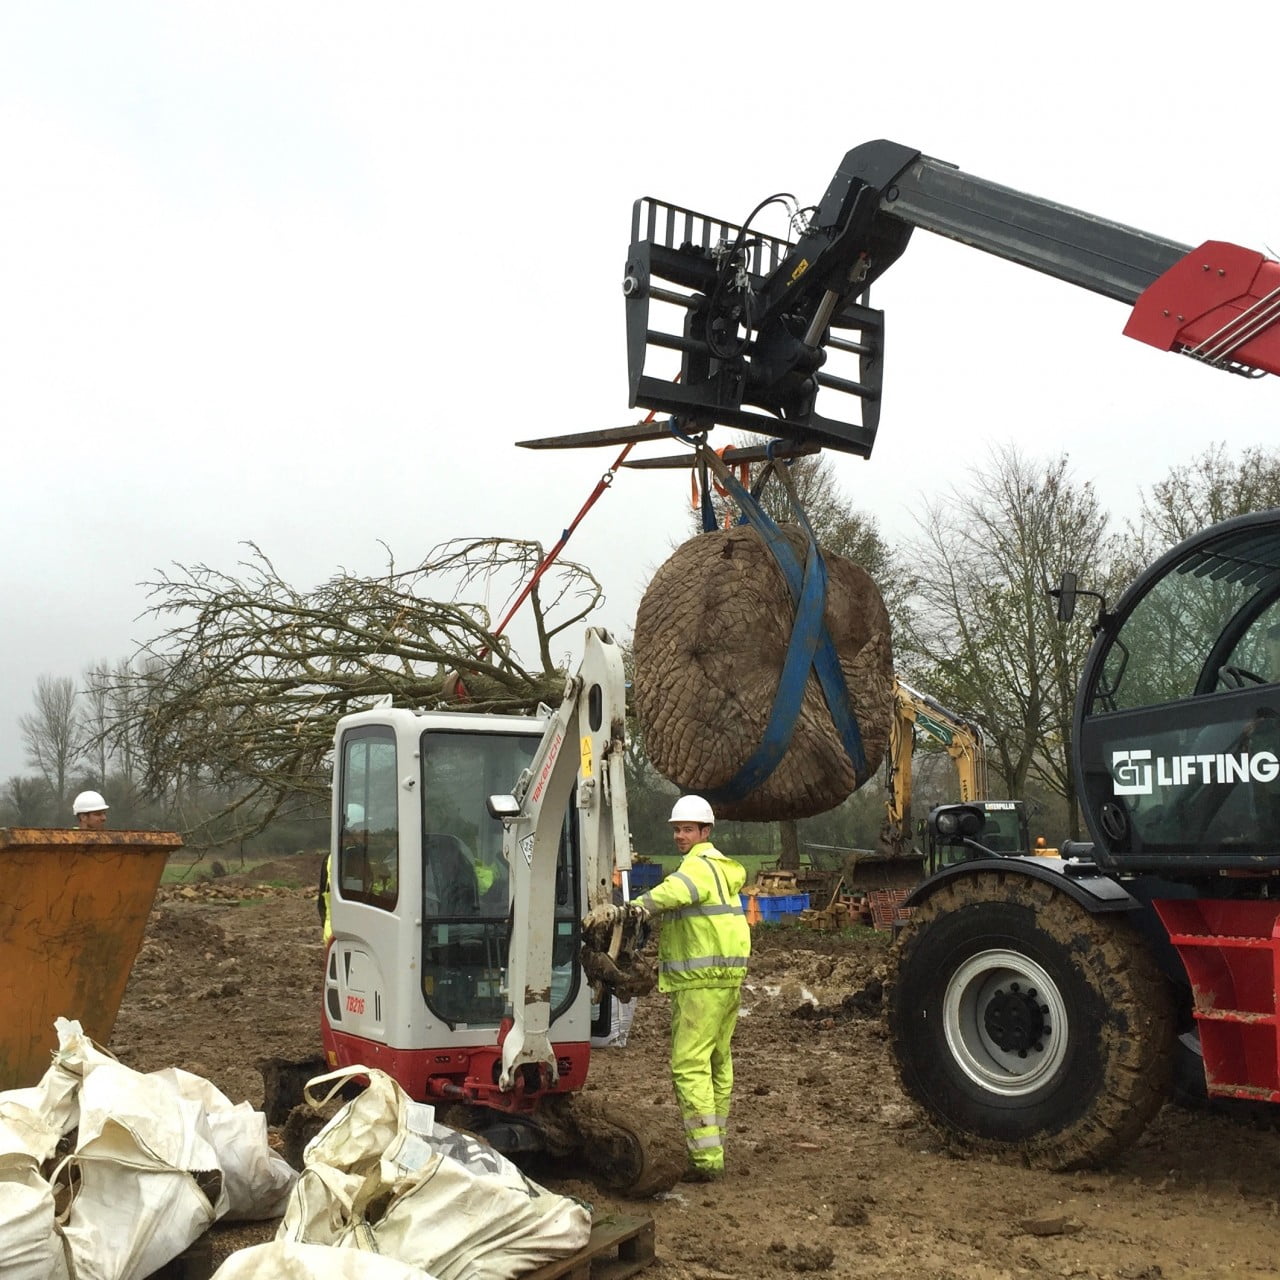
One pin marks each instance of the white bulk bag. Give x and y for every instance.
(257, 1180)
(144, 1181)
(157, 1159)
(33, 1119)
(322, 1206)
(423, 1193)
(288, 1260)
(482, 1226)
(30, 1246)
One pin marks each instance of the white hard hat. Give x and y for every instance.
(89, 802)
(692, 809)
(355, 813)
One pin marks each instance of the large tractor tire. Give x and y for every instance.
(1022, 1026)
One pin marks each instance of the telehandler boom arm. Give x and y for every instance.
(756, 316)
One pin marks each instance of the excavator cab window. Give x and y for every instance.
(368, 845)
(1006, 827)
(466, 905)
(1179, 734)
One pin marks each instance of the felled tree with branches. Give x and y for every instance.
(241, 692)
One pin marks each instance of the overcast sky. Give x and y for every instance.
(302, 272)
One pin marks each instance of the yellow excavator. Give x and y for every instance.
(1006, 830)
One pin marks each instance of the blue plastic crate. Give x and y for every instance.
(644, 875)
(777, 906)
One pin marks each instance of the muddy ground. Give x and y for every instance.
(829, 1172)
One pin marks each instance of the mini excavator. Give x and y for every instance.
(468, 854)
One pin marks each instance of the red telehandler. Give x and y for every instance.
(1038, 1006)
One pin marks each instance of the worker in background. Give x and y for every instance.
(90, 810)
(486, 877)
(352, 824)
(702, 960)
(322, 901)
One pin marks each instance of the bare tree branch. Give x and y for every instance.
(985, 638)
(244, 687)
(52, 734)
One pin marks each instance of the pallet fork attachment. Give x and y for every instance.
(775, 334)
(692, 286)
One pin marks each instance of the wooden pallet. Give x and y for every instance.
(619, 1246)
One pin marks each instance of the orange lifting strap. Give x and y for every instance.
(601, 485)
(743, 472)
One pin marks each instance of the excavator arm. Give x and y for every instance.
(962, 739)
(754, 319)
(584, 742)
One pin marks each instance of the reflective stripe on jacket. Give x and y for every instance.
(705, 939)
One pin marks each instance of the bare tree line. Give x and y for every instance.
(224, 721)
(68, 742)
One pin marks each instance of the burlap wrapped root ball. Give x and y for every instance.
(710, 641)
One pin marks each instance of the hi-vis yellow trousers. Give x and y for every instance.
(702, 1024)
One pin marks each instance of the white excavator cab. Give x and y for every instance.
(455, 959)
(420, 896)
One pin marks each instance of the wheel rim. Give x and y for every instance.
(1005, 1022)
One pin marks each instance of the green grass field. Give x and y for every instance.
(185, 867)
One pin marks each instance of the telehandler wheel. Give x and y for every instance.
(1025, 1027)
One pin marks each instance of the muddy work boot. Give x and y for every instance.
(701, 1173)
